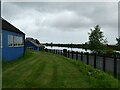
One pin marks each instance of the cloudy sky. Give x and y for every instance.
(63, 22)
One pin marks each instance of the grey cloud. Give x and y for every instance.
(38, 17)
(67, 20)
(100, 13)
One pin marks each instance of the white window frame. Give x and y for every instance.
(12, 41)
(18, 44)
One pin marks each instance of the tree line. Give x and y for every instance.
(97, 43)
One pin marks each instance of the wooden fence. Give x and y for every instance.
(106, 63)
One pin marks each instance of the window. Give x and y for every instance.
(18, 41)
(10, 40)
(15, 41)
(21, 42)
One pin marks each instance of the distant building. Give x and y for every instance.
(33, 44)
(11, 41)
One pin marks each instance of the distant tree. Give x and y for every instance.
(118, 42)
(97, 43)
(37, 41)
(51, 44)
(46, 44)
(86, 45)
(71, 45)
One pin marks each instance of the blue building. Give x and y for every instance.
(33, 44)
(11, 41)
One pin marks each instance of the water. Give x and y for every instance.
(70, 49)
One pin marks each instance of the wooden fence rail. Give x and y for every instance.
(76, 55)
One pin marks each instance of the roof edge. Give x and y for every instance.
(8, 26)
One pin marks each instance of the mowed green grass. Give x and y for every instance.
(47, 70)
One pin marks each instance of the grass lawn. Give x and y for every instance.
(47, 70)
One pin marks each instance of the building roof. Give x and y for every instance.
(33, 42)
(9, 27)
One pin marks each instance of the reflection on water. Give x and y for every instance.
(70, 49)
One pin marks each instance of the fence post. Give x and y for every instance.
(58, 51)
(94, 60)
(76, 55)
(115, 66)
(61, 52)
(81, 56)
(65, 52)
(68, 54)
(53, 50)
(104, 63)
(72, 54)
(46, 50)
(87, 58)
